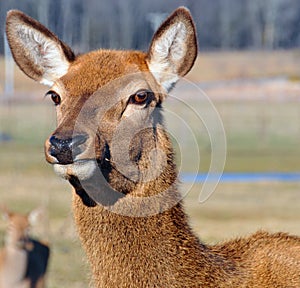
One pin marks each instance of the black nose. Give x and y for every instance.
(66, 150)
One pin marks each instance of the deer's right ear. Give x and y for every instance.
(37, 51)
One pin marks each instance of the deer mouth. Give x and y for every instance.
(81, 169)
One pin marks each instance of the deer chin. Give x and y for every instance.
(83, 169)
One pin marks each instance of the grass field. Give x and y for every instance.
(262, 135)
(246, 64)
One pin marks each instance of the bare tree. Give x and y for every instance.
(225, 22)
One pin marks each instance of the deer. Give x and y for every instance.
(111, 145)
(23, 259)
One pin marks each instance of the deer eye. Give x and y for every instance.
(54, 96)
(141, 97)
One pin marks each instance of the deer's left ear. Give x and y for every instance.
(173, 49)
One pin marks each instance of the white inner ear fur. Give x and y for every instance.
(34, 216)
(45, 53)
(168, 52)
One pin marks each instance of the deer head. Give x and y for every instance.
(18, 225)
(108, 102)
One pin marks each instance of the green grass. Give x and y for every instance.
(261, 136)
(245, 64)
(28, 124)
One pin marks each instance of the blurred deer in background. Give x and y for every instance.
(23, 260)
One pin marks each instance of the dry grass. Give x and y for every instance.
(237, 209)
(211, 66)
(246, 64)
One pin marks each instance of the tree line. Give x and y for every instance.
(221, 24)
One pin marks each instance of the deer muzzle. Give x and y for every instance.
(65, 150)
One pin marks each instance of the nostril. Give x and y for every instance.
(66, 149)
(61, 149)
(57, 143)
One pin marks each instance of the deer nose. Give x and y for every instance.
(65, 150)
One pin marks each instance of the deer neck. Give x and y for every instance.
(118, 245)
(12, 244)
(126, 234)
(12, 266)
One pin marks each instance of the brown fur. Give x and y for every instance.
(131, 223)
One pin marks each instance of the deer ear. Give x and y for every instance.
(36, 215)
(173, 49)
(37, 51)
(6, 214)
